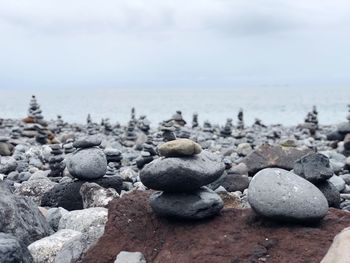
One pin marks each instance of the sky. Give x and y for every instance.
(173, 43)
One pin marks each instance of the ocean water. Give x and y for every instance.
(273, 105)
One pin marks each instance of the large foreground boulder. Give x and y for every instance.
(67, 195)
(267, 156)
(21, 217)
(237, 235)
(282, 195)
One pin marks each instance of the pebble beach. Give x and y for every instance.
(179, 190)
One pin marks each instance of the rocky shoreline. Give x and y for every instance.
(62, 183)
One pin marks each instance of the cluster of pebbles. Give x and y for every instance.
(64, 175)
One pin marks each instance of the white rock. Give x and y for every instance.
(95, 195)
(61, 247)
(130, 257)
(90, 222)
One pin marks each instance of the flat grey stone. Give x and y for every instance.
(183, 174)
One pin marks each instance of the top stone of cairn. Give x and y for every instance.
(179, 147)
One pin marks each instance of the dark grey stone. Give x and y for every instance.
(13, 251)
(21, 217)
(67, 194)
(314, 167)
(279, 194)
(331, 193)
(87, 164)
(183, 174)
(231, 182)
(199, 204)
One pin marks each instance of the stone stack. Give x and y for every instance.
(68, 146)
(111, 170)
(114, 157)
(56, 161)
(144, 124)
(348, 117)
(107, 126)
(226, 131)
(178, 119)
(90, 127)
(316, 168)
(88, 162)
(133, 115)
(15, 133)
(240, 123)
(311, 121)
(42, 134)
(59, 124)
(181, 174)
(34, 111)
(168, 131)
(147, 154)
(207, 127)
(130, 135)
(195, 123)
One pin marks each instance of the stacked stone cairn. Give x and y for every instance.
(316, 168)
(34, 111)
(130, 135)
(207, 127)
(144, 124)
(114, 157)
(56, 161)
(42, 134)
(68, 146)
(111, 169)
(168, 131)
(148, 153)
(107, 127)
(240, 123)
(88, 161)
(311, 121)
(15, 133)
(178, 119)
(181, 175)
(90, 125)
(226, 131)
(195, 123)
(59, 124)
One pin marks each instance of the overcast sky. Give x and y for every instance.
(179, 43)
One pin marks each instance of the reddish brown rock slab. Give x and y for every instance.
(234, 236)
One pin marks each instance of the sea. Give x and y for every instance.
(273, 105)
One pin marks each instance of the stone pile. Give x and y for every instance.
(240, 123)
(130, 135)
(168, 131)
(68, 146)
(88, 162)
(34, 111)
(144, 124)
(311, 121)
(207, 127)
(56, 161)
(59, 123)
(315, 167)
(178, 119)
(195, 123)
(107, 126)
(114, 156)
(42, 134)
(147, 154)
(226, 131)
(181, 174)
